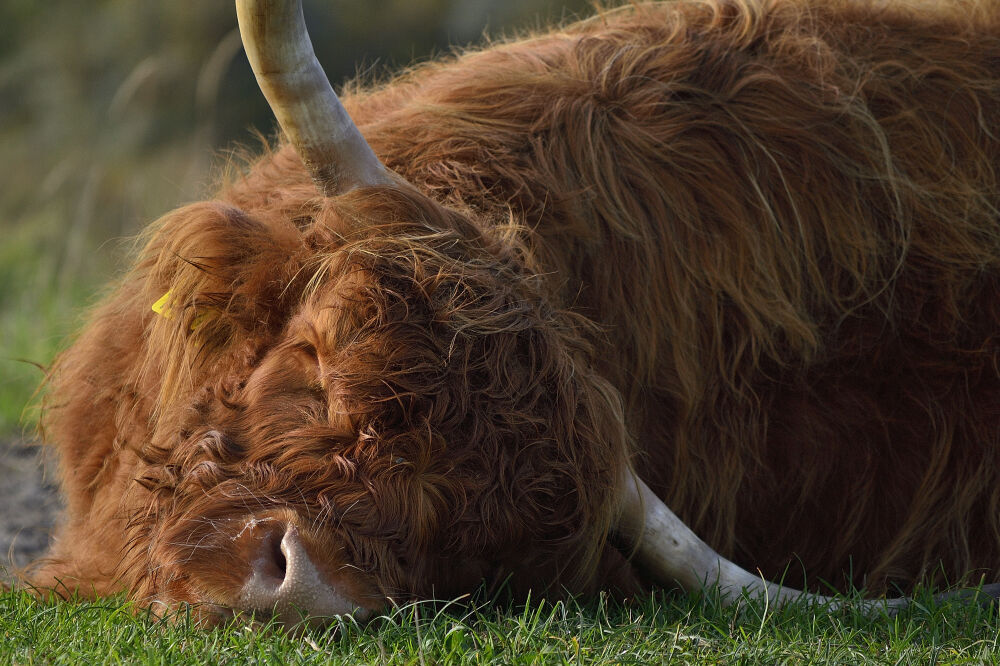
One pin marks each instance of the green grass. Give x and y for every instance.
(40, 306)
(662, 629)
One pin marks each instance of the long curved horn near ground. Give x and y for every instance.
(308, 110)
(669, 551)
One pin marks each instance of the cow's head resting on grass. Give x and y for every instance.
(400, 408)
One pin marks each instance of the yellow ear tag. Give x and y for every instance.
(161, 308)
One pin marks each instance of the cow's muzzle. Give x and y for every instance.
(286, 580)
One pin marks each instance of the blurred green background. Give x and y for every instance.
(113, 112)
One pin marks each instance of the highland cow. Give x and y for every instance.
(740, 258)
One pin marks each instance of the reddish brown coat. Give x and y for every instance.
(754, 243)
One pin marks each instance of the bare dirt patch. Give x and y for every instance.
(29, 504)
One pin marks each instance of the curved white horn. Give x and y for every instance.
(669, 551)
(281, 55)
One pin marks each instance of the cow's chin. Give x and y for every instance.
(272, 568)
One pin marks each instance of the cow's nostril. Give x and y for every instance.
(268, 562)
(278, 557)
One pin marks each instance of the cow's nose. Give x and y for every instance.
(285, 580)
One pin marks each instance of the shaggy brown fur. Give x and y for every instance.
(749, 247)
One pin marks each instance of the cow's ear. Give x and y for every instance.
(214, 281)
